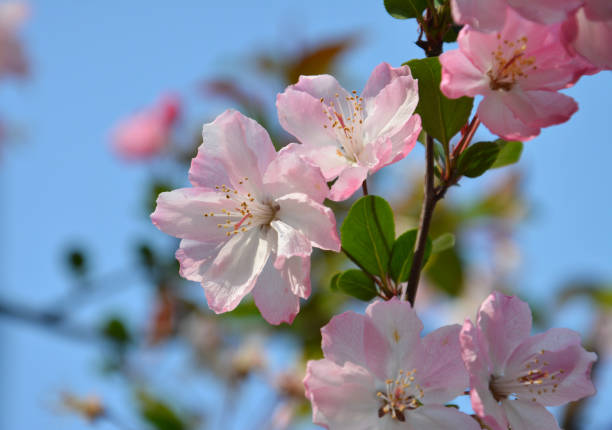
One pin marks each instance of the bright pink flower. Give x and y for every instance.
(146, 133)
(348, 135)
(250, 220)
(589, 33)
(518, 72)
(513, 375)
(378, 373)
(12, 58)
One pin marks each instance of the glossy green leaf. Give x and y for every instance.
(404, 9)
(443, 242)
(356, 283)
(509, 152)
(367, 234)
(402, 255)
(441, 117)
(477, 159)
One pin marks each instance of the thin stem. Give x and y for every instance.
(364, 187)
(429, 203)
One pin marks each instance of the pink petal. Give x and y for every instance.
(440, 371)
(328, 158)
(290, 243)
(399, 324)
(345, 339)
(274, 297)
(475, 356)
(541, 108)
(234, 272)
(598, 10)
(289, 173)
(348, 182)
(196, 257)
(545, 11)
(404, 140)
(439, 417)
(180, 213)
(234, 147)
(315, 221)
(460, 77)
(501, 120)
(557, 353)
(593, 39)
(342, 397)
(527, 415)
(482, 15)
(388, 109)
(296, 272)
(504, 322)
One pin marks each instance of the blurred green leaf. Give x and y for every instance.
(404, 9)
(402, 254)
(155, 189)
(146, 255)
(159, 414)
(115, 331)
(367, 234)
(509, 152)
(445, 271)
(600, 294)
(356, 283)
(77, 262)
(441, 117)
(477, 159)
(443, 242)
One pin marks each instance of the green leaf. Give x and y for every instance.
(509, 152)
(441, 117)
(356, 283)
(443, 242)
(403, 253)
(159, 414)
(445, 271)
(367, 234)
(404, 9)
(115, 331)
(333, 284)
(477, 159)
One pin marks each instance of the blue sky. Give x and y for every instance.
(94, 62)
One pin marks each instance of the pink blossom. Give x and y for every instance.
(347, 135)
(12, 58)
(518, 72)
(378, 373)
(250, 221)
(589, 33)
(146, 133)
(513, 375)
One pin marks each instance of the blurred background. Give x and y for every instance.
(96, 327)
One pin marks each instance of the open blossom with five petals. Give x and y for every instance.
(349, 135)
(518, 71)
(250, 221)
(379, 374)
(513, 375)
(146, 133)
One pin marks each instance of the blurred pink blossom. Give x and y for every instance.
(250, 221)
(513, 375)
(144, 134)
(12, 58)
(348, 135)
(378, 373)
(518, 72)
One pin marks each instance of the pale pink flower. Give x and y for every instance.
(378, 373)
(518, 72)
(348, 135)
(250, 220)
(589, 33)
(144, 134)
(12, 58)
(513, 375)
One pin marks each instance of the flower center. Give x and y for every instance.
(345, 116)
(247, 212)
(510, 63)
(536, 378)
(401, 394)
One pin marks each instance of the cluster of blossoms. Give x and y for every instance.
(253, 215)
(378, 373)
(517, 54)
